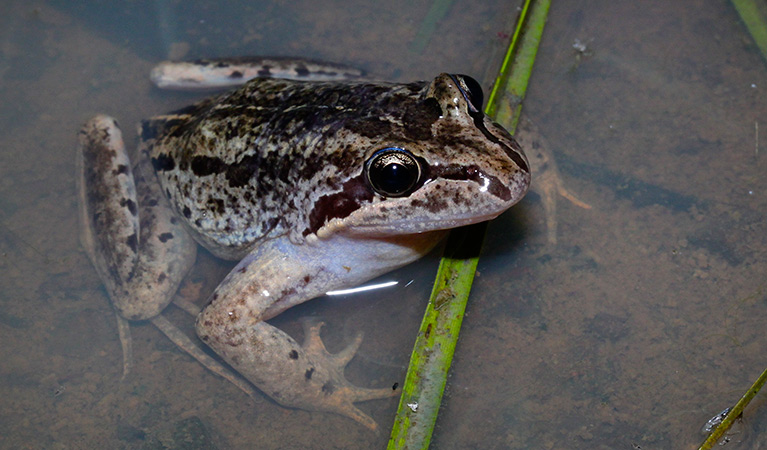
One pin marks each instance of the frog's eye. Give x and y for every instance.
(471, 90)
(392, 172)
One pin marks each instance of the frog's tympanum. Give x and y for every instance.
(311, 186)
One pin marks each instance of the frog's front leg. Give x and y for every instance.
(277, 276)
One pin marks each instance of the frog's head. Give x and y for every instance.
(444, 164)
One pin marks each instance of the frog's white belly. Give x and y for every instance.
(340, 260)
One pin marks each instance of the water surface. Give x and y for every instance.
(640, 323)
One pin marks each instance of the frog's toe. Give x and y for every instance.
(343, 357)
(313, 344)
(360, 417)
(312, 341)
(123, 328)
(348, 395)
(361, 394)
(339, 394)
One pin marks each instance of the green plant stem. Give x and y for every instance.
(437, 337)
(734, 413)
(754, 14)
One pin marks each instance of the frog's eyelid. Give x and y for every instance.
(460, 82)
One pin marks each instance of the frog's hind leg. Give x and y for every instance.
(139, 249)
(109, 225)
(206, 74)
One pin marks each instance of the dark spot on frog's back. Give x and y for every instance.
(238, 174)
(218, 205)
(420, 117)
(163, 162)
(155, 128)
(207, 165)
(370, 127)
(165, 237)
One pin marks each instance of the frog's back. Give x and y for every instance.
(252, 163)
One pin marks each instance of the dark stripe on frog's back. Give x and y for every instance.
(289, 127)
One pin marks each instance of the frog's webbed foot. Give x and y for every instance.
(549, 185)
(547, 180)
(345, 394)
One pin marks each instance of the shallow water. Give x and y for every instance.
(636, 327)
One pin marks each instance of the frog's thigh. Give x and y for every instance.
(166, 250)
(107, 201)
(139, 249)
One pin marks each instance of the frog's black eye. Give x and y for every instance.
(392, 172)
(471, 90)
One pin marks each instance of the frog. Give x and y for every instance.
(311, 186)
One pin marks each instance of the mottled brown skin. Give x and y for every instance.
(275, 156)
(275, 174)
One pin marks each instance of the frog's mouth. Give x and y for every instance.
(442, 203)
(487, 183)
